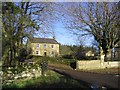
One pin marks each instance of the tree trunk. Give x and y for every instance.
(14, 55)
(109, 54)
(11, 52)
(11, 56)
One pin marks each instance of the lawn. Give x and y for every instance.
(51, 80)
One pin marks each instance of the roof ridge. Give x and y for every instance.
(44, 40)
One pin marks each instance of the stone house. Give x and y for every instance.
(43, 46)
(89, 53)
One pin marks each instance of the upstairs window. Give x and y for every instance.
(37, 45)
(45, 46)
(52, 46)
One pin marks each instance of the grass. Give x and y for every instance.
(114, 70)
(52, 80)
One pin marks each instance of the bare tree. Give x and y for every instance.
(101, 20)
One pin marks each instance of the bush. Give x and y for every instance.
(29, 57)
(73, 65)
(44, 64)
(67, 56)
(22, 55)
(91, 58)
(81, 57)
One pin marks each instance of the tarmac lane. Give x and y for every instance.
(93, 79)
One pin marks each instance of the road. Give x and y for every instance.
(106, 80)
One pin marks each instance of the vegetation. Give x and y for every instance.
(20, 21)
(113, 70)
(54, 60)
(52, 80)
(76, 52)
(44, 64)
(90, 19)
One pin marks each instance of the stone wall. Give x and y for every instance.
(11, 74)
(89, 64)
(95, 64)
(112, 64)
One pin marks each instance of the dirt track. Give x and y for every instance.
(106, 80)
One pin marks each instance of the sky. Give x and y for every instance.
(65, 37)
(62, 35)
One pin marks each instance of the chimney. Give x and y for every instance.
(54, 37)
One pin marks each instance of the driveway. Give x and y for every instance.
(97, 79)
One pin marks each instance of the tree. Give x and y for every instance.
(21, 19)
(99, 19)
(65, 50)
(8, 36)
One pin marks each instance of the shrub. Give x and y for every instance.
(67, 56)
(22, 55)
(91, 58)
(73, 65)
(29, 57)
(44, 64)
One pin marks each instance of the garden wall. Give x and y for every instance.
(95, 64)
(11, 74)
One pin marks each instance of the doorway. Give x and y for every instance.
(45, 53)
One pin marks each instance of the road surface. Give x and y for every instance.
(102, 80)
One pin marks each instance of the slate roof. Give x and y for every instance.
(44, 40)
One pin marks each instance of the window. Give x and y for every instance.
(37, 45)
(52, 46)
(45, 53)
(37, 52)
(52, 52)
(45, 46)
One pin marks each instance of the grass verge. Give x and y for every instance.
(52, 80)
(114, 70)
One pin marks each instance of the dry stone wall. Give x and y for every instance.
(96, 64)
(11, 74)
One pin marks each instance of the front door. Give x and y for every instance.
(45, 53)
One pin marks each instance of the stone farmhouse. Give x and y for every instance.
(89, 53)
(43, 47)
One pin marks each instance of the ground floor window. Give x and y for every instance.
(37, 52)
(52, 53)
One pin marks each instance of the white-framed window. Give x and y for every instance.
(45, 45)
(52, 46)
(52, 52)
(37, 52)
(37, 45)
